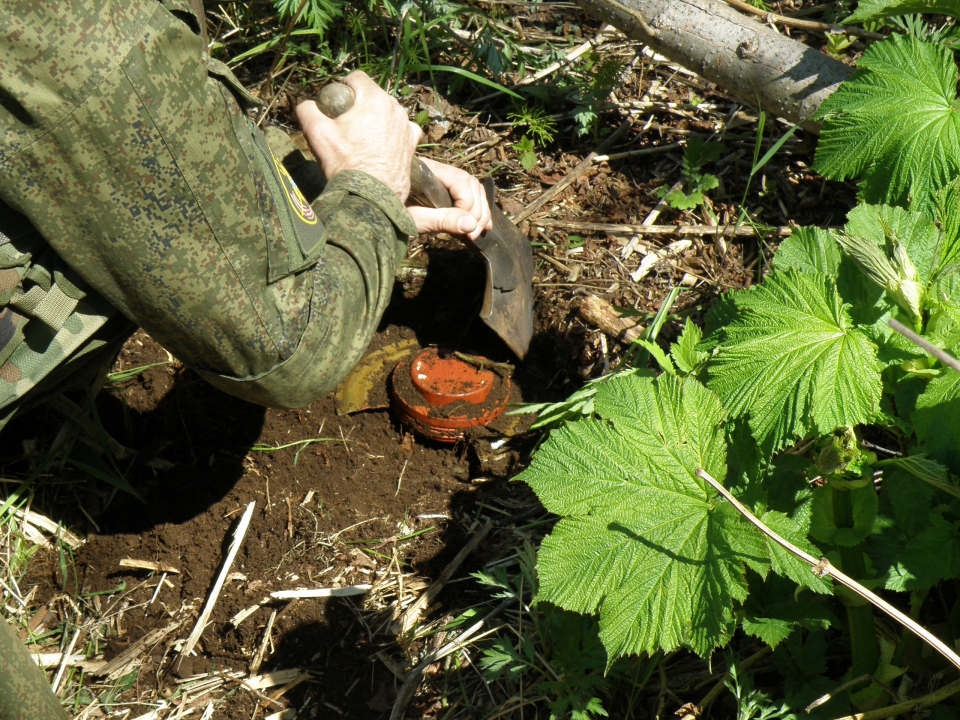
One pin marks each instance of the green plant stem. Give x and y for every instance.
(864, 651)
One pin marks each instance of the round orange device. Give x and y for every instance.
(440, 396)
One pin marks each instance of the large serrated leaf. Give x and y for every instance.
(894, 124)
(643, 540)
(791, 359)
(876, 9)
(815, 250)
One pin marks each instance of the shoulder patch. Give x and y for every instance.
(306, 225)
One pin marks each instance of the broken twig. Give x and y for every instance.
(238, 534)
(412, 613)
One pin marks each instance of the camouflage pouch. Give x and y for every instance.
(47, 317)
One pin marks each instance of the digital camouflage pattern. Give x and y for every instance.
(24, 693)
(131, 152)
(134, 185)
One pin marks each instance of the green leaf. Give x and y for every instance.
(948, 215)
(679, 200)
(639, 544)
(810, 250)
(642, 539)
(936, 420)
(894, 124)
(684, 352)
(925, 469)
(463, 73)
(662, 360)
(814, 250)
(929, 557)
(876, 9)
(773, 610)
(791, 359)
(824, 528)
(907, 499)
(786, 564)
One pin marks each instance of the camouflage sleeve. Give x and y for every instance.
(365, 229)
(132, 153)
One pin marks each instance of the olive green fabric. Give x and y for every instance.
(24, 692)
(130, 150)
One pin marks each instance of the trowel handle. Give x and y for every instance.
(336, 98)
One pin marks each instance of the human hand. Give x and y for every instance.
(374, 136)
(470, 214)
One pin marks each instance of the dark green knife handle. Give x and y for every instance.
(336, 98)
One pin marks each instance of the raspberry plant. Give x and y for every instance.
(838, 433)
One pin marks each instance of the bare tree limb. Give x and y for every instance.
(738, 53)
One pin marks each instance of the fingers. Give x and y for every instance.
(317, 127)
(454, 221)
(467, 194)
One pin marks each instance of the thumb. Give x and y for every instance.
(453, 221)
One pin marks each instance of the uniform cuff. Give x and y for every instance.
(357, 182)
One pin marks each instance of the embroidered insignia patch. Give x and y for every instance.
(296, 199)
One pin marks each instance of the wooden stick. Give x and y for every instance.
(235, 544)
(412, 613)
(320, 592)
(599, 313)
(944, 357)
(624, 229)
(547, 196)
(258, 658)
(804, 24)
(149, 565)
(823, 568)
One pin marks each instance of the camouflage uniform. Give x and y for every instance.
(24, 693)
(134, 188)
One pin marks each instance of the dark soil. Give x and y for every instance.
(195, 472)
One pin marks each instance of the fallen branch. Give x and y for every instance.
(412, 613)
(823, 568)
(198, 629)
